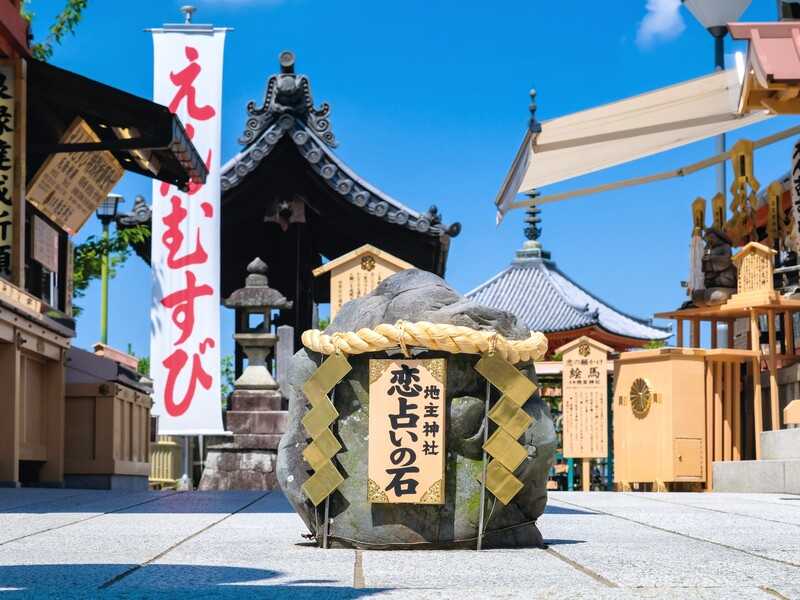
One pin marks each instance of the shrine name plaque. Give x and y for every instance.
(406, 431)
(69, 186)
(585, 399)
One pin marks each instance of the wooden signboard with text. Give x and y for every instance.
(69, 186)
(7, 166)
(45, 244)
(406, 431)
(357, 273)
(585, 398)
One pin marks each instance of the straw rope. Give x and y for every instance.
(435, 336)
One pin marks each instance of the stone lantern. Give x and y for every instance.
(256, 297)
(254, 416)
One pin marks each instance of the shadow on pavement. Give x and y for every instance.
(153, 581)
(563, 542)
(562, 510)
(100, 501)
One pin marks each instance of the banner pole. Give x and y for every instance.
(186, 479)
(325, 525)
(483, 479)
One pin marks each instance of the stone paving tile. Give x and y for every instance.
(79, 558)
(488, 571)
(260, 546)
(639, 555)
(768, 538)
(12, 498)
(770, 507)
(192, 544)
(43, 515)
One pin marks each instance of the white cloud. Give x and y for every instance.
(662, 22)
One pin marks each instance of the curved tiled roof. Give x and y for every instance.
(288, 111)
(546, 300)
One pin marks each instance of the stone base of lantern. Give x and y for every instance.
(248, 463)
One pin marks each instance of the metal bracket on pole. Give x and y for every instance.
(483, 479)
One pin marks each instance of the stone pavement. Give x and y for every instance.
(81, 544)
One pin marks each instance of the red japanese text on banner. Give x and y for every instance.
(185, 328)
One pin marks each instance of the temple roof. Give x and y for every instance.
(288, 112)
(546, 300)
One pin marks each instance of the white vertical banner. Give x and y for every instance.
(185, 314)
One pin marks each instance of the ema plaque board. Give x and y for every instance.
(357, 273)
(69, 186)
(585, 398)
(406, 431)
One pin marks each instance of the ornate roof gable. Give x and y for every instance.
(288, 110)
(288, 94)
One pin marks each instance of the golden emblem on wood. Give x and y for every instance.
(641, 398)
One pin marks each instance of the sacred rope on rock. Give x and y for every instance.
(499, 355)
(434, 336)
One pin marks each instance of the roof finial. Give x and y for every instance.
(188, 10)
(532, 248)
(533, 125)
(532, 218)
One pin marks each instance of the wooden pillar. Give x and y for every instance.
(709, 424)
(758, 413)
(713, 333)
(695, 333)
(775, 409)
(586, 474)
(10, 400)
(53, 470)
(731, 332)
(727, 411)
(736, 420)
(679, 334)
(718, 412)
(788, 333)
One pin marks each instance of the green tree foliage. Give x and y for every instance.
(227, 377)
(65, 23)
(88, 258)
(143, 367)
(655, 344)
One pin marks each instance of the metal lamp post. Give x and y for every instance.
(715, 15)
(106, 212)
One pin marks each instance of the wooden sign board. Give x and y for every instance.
(357, 273)
(45, 244)
(585, 398)
(406, 431)
(13, 295)
(754, 284)
(69, 186)
(7, 164)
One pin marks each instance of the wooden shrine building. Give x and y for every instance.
(546, 300)
(288, 199)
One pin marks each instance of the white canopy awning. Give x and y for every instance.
(609, 135)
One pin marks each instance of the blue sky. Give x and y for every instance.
(429, 102)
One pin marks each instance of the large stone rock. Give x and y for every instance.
(418, 296)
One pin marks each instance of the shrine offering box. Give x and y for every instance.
(107, 434)
(659, 417)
